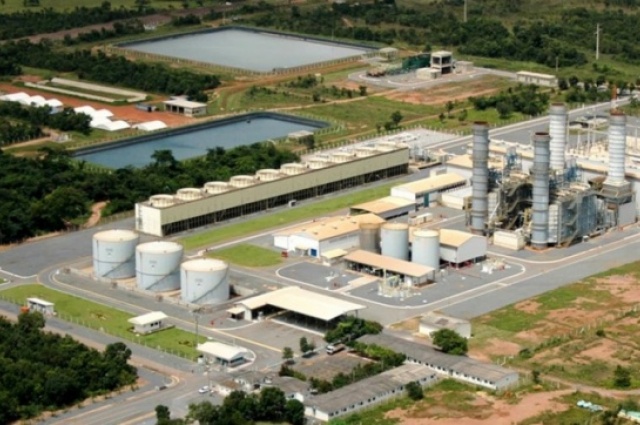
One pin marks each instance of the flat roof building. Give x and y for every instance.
(324, 235)
(457, 247)
(378, 265)
(367, 392)
(545, 80)
(185, 107)
(148, 323)
(41, 306)
(224, 354)
(388, 207)
(423, 192)
(432, 322)
(462, 368)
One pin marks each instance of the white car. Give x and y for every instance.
(204, 390)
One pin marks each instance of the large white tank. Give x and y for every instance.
(158, 265)
(394, 240)
(160, 201)
(214, 188)
(426, 248)
(292, 169)
(241, 181)
(189, 194)
(114, 254)
(204, 281)
(369, 237)
(267, 175)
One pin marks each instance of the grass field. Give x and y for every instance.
(264, 222)
(106, 319)
(247, 255)
(10, 6)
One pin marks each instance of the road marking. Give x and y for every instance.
(90, 412)
(17, 276)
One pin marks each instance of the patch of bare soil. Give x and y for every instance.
(495, 347)
(528, 306)
(96, 214)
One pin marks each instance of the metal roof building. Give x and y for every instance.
(457, 247)
(367, 392)
(324, 235)
(179, 215)
(378, 264)
(462, 368)
(147, 323)
(425, 191)
(228, 355)
(432, 322)
(185, 107)
(387, 208)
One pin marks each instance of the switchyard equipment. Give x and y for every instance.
(204, 281)
(158, 265)
(114, 254)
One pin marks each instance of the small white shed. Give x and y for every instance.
(148, 323)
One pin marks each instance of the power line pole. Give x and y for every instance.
(598, 42)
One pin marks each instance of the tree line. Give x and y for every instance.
(28, 22)
(44, 371)
(115, 70)
(526, 99)
(133, 26)
(53, 191)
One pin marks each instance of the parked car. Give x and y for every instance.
(204, 390)
(335, 348)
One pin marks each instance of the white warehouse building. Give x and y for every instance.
(425, 191)
(457, 247)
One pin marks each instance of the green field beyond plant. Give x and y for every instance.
(105, 319)
(248, 256)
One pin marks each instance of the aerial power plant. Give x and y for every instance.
(549, 204)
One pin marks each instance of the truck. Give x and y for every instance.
(334, 348)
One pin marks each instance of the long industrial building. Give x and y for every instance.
(190, 208)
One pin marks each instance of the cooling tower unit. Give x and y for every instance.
(189, 194)
(204, 281)
(370, 237)
(558, 132)
(158, 266)
(316, 163)
(214, 188)
(540, 202)
(292, 169)
(480, 178)
(340, 157)
(394, 240)
(425, 249)
(241, 181)
(268, 175)
(364, 151)
(114, 254)
(161, 201)
(617, 145)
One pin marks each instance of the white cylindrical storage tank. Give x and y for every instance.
(292, 169)
(268, 175)
(558, 131)
(426, 248)
(369, 237)
(213, 188)
(158, 265)
(241, 181)
(189, 194)
(394, 240)
(204, 281)
(617, 145)
(364, 151)
(114, 254)
(317, 162)
(340, 157)
(160, 201)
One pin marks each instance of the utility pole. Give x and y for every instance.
(597, 41)
(465, 11)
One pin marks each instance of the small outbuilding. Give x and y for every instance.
(389, 53)
(433, 322)
(223, 354)
(185, 107)
(458, 247)
(41, 306)
(545, 80)
(442, 60)
(425, 191)
(148, 323)
(388, 207)
(380, 265)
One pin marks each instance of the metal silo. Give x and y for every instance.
(204, 281)
(158, 265)
(114, 254)
(480, 177)
(558, 131)
(540, 207)
(617, 145)
(370, 237)
(426, 248)
(394, 240)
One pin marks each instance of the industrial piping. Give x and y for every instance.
(558, 132)
(480, 178)
(617, 146)
(540, 207)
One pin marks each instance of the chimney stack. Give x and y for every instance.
(480, 178)
(540, 207)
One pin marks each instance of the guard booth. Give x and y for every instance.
(223, 354)
(41, 306)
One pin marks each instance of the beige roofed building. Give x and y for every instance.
(378, 264)
(457, 247)
(387, 208)
(425, 191)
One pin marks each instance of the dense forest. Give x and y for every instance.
(29, 22)
(54, 191)
(115, 70)
(45, 371)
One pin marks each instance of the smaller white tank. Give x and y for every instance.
(204, 281)
(394, 240)
(114, 254)
(292, 169)
(189, 194)
(426, 248)
(364, 151)
(161, 201)
(242, 181)
(268, 175)
(317, 162)
(158, 265)
(341, 157)
(214, 188)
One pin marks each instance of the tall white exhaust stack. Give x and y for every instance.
(617, 146)
(540, 207)
(558, 131)
(480, 178)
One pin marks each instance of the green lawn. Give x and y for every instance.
(106, 319)
(248, 256)
(265, 222)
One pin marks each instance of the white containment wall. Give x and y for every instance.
(204, 281)
(158, 265)
(114, 254)
(426, 248)
(394, 240)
